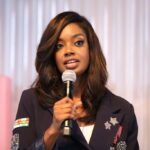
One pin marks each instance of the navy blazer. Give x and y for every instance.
(120, 134)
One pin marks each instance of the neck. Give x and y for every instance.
(82, 124)
(77, 87)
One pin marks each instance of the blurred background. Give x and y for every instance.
(123, 28)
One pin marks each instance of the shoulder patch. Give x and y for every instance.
(22, 122)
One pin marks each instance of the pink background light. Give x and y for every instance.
(5, 112)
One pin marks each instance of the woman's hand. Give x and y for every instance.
(62, 110)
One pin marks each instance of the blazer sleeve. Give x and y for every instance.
(24, 130)
(132, 143)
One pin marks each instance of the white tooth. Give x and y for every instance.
(71, 61)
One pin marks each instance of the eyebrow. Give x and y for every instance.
(74, 36)
(79, 34)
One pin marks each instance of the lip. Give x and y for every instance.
(71, 63)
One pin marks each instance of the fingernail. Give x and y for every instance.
(79, 102)
(75, 107)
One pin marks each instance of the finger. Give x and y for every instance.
(63, 117)
(63, 105)
(61, 108)
(78, 105)
(64, 101)
(67, 105)
(63, 111)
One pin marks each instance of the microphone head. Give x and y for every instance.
(69, 75)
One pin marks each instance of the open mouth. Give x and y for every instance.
(71, 64)
(71, 61)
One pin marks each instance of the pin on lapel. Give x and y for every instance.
(112, 148)
(121, 145)
(107, 125)
(113, 121)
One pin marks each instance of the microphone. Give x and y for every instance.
(68, 77)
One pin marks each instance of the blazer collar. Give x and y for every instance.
(105, 129)
(78, 136)
(101, 136)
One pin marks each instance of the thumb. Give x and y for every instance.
(78, 105)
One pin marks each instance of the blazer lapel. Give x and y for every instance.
(107, 123)
(78, 136)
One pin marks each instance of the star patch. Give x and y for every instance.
(107, 125)
(113, 121)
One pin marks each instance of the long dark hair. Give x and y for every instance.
(49, 86)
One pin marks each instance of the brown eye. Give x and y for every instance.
(59, 46)
(79, 43)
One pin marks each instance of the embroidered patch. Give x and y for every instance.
(112, 148)
(107, 125)
(15, 142)
(113, 121)
(110, 123)
(121, 145)
(22, 122)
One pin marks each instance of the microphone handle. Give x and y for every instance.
(69, 89)
(67, 124)
(67, 127)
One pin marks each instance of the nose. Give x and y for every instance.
(69, 51)
(68, 54)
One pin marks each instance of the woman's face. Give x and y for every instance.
(72, 50)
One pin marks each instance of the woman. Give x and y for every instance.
(100, 119)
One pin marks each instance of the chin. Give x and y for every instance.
(78, 72)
